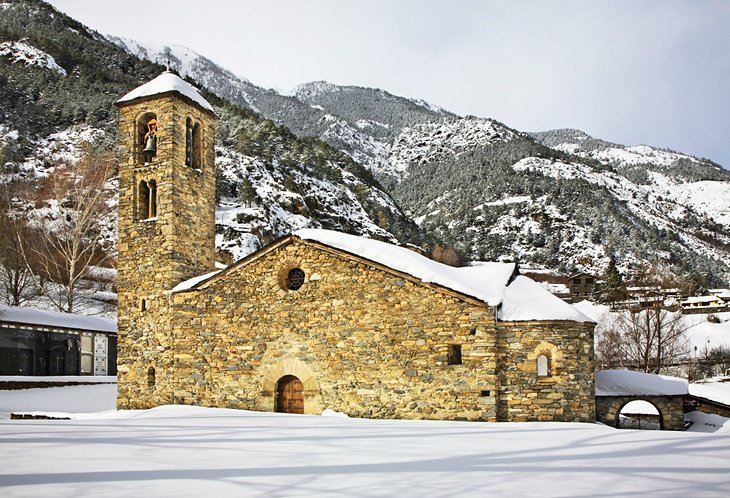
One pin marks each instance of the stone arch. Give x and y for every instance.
(644, 420)
(286, 367)
(670, 408)
(548, 353)
(266, 400)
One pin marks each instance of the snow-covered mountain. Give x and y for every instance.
(366, 161)
(64, 78)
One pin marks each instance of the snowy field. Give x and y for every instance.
(189, 451)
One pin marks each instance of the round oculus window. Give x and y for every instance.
(295, 279)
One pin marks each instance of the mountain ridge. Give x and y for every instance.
(560, 199)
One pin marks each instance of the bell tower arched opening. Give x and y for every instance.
(193, 157)
(146, 141)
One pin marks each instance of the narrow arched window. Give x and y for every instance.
(152, 206)
(543, 366)
(151, 377)
(192, 144)
(143, 200)
(197, 147)
(189, 142)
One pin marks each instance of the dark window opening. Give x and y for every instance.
(484, 394)
(192, 144)
(143, 305)
(152, 209)
(295, 279)
(151, 377)
(147, 200)
(454, 356)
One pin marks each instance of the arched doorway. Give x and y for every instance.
(289, 395)
(639, 414)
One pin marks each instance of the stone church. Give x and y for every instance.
(318, 319)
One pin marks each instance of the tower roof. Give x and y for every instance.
(164, 83)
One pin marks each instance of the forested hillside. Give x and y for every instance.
(368, 162)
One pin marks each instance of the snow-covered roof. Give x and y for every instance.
(30, 316)
(589, 309)
(520, 299)
(701, 299)
(485, 281)
(168, 82)
(629, 383)
(525, 299)
(192, 282)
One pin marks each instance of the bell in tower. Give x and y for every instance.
(150, 141)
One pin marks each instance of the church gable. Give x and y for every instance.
(374, 341)
(288, 275)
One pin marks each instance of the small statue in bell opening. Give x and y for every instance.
(150, 140)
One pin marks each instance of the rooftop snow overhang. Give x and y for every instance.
(167, 83)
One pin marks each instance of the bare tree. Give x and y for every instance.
(649, 336)
(16, 280)
(648, 340)
(652, 338)
(446, 255)
(74, 198)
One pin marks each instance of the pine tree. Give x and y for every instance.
(612, 288)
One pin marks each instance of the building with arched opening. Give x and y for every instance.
(318, 319)
(661, 398)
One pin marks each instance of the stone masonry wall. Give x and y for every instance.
(567, 392)
(156, 254)
(363, 341)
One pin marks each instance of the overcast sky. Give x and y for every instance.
(632, 71)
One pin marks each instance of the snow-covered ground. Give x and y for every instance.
(715, 389)
(191, 451)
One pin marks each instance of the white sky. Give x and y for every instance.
(630, 71)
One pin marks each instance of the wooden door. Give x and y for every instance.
(289, 395)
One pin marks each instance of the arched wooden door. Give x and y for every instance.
(289, 395)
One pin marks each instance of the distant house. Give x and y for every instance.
(581, 286)
(723, 294)
(710, 301)
(35, 342)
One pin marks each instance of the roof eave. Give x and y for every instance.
(123, 103)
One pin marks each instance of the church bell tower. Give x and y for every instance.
(166, 220)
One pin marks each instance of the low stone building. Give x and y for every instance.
(318, 319)
(617, 388)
